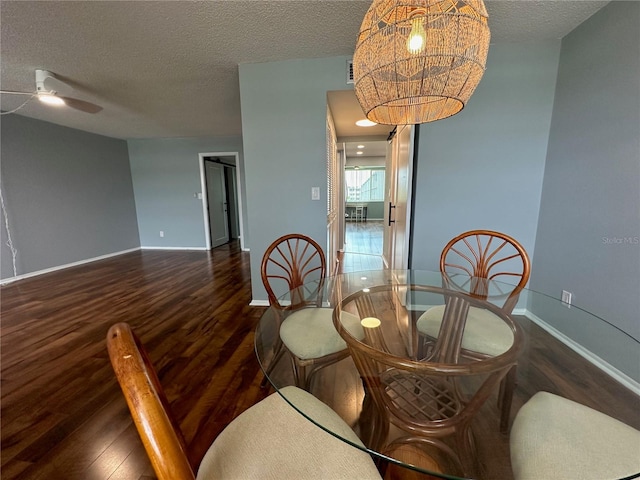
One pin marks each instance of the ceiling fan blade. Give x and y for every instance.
(51, 83)
(47, 83)
(81, 105)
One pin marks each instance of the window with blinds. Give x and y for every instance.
(334, 188)
(332, 171)
(364, 185)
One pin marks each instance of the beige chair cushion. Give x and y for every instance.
(309, 332)
(553, 437)
(484, 332)
(272, 440)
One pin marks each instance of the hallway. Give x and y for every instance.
(363, 246)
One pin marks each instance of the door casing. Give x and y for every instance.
(203, 195)
(398, 212)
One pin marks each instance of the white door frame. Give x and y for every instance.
(401, 207)
(205, 201)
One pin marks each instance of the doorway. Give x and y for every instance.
(397, 154)
(364, 200)
(353, 238)
(219, 219)
(221, 199)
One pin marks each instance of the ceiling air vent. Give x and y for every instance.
(349, 71)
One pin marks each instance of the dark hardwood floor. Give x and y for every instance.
(63, 415)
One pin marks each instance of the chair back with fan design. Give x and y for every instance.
(483, 256)
(294, 263)
(294, 273)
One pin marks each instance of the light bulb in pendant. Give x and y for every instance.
(416, 40)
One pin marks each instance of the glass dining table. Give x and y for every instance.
(416, 390)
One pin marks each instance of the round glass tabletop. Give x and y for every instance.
(433, 375)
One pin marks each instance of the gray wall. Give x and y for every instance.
(68, 195)
(483, 168)
(367, 161)
(375, 210)
(589, 229)
(166, 175)
(284, 108)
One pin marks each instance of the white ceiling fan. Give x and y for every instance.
(49, 90)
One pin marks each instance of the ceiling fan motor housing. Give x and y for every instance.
(41, 77)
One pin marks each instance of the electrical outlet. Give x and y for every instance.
(566, 298)
(162, 233)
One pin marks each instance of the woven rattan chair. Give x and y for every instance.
(475, 259)
(434, 401)
(270, 440)
(296, 264)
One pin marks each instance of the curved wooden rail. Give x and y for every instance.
(161, 437)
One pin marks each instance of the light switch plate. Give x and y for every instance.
(315, 193)
(566, 298)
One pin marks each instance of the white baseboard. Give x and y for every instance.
(259, 303)
(5, 281)
(284, 303)
(66, 265)
(172, 248)
(591, 357)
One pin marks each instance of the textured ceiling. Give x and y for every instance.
(169, 68)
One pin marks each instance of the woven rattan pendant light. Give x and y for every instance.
(418, 61)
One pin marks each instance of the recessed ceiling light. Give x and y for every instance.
(360, 146)
(365, 123)
(358, 153)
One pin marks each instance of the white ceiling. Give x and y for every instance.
(169, 68)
